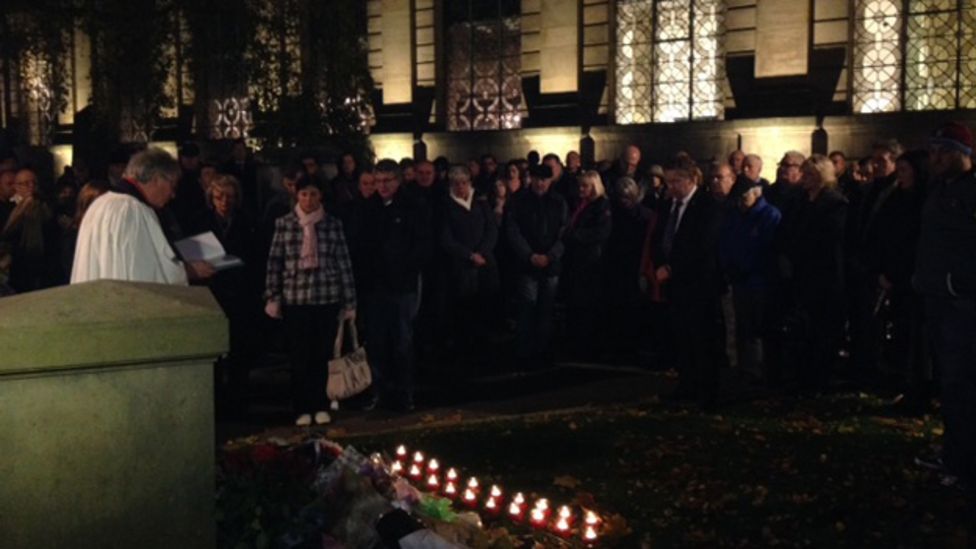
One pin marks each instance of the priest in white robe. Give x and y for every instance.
(120, 237)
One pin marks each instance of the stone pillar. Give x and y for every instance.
(559, 52)
(106, 416)
(397, 52)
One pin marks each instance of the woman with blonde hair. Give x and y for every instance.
(586, 235)
(815, 253)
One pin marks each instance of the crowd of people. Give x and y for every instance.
(862, 269)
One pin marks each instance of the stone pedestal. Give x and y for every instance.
(106, 416)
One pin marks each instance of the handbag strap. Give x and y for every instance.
(340, 337)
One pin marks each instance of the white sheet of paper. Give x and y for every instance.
(206, 247)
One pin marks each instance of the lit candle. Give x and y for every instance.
(450, 490)
(562, 526)
(519, 498)
(515, 511)
(415, 471)
(469, 498)
(538, 517)
(542, 504)
(433, 466)
(491, 506)
(397, 467)
(418, 458)
(473, 483)
(590, 534)
(452, 474)
(565, 513)
(496, 492)
(432, 481)
(591, 518)
(401, 452)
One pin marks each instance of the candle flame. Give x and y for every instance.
(433, 465)
(450, 489)
(564, 512)
(542, 504)
(473, 483)
(490, 504)
(401, 450)
(452, 474)
(562, 525)
(592, 518)
(418, 457)
(495, 491)
(432, 480)
(414, 471)
(514, 509)
(538, 515)
(469, 495)
(590, 533)
(396, 468)
(519, 498)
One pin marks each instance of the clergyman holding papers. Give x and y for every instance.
(120, 237)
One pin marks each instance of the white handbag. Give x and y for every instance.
(349, 374)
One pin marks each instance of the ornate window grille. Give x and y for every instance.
(634, 60)
(934, 69)
(670, 60)
(484, 68)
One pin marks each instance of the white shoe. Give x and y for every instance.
(303, 420)
(321, 418)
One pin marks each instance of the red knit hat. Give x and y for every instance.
(954, 135)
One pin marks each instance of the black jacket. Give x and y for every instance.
(693, 259)
(946, 263)
(586, 238)
(534, 225)
(816, 249)
(895, 236)
(397, 241)
(464, 232)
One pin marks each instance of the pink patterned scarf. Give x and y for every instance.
(310, 244)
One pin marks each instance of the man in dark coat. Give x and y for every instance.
(686, 257)
(396, 235)
(945, 274)
(534, 227)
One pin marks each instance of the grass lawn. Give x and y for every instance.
(836, 471)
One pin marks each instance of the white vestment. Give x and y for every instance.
(120, 239)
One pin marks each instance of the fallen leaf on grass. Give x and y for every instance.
(566, 481)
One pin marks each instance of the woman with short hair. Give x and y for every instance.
(310, 286)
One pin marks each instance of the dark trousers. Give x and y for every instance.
(311, 331)
(822, 333)
(389, 345)
(906, 348)
(536, 300)
(864, 327)
(750, 307)
(951, 325)
(692, 320)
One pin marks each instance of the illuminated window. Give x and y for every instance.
(937, 63)
(877, 56)
(484, 65)
(682, 59)
(634, 59)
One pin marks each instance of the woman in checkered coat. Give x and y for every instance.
(310, 286)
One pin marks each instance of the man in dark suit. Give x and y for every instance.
(686, 256)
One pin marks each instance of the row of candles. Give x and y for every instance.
(540, 515)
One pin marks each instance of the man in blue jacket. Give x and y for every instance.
(748, 259)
